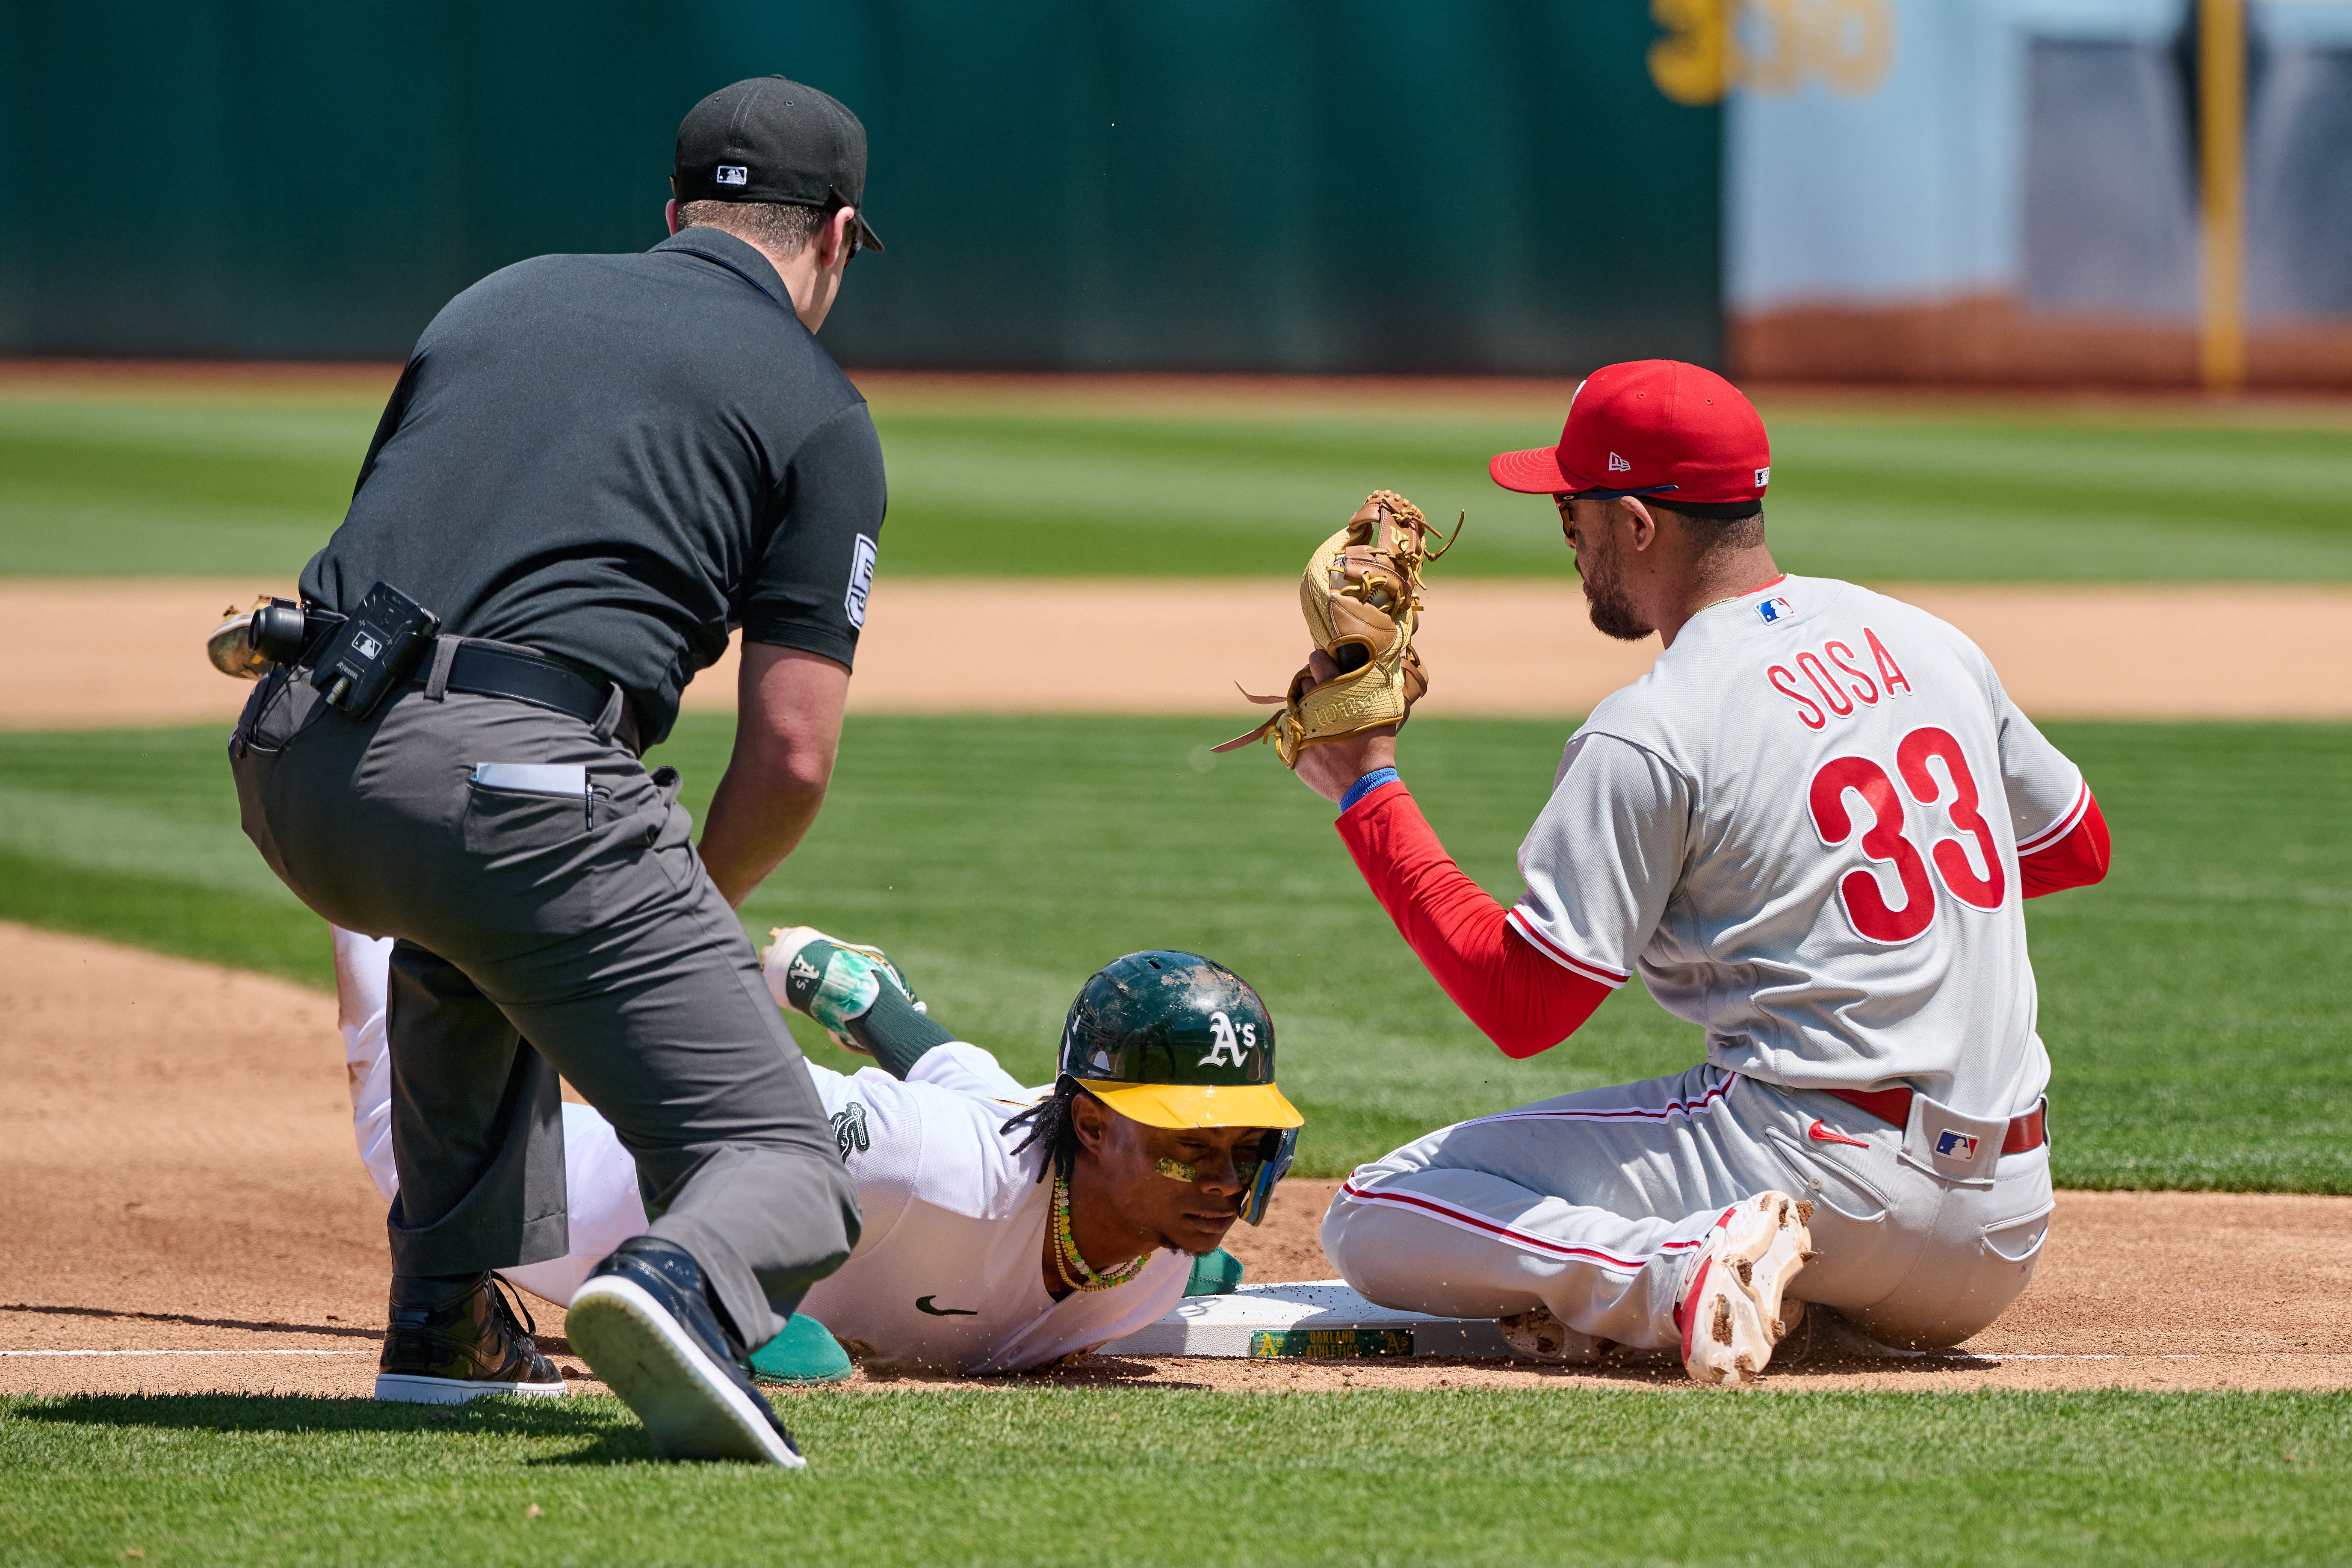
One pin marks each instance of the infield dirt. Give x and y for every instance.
(1495, 648)
(181, 1210)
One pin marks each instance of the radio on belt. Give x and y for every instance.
(371, 650)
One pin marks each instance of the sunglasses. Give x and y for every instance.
(1561, 498)
(1263, 1167)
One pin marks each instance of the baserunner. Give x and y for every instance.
(1006, 1227)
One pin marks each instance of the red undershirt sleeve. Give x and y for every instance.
(1524, 1001)
(2076, 860)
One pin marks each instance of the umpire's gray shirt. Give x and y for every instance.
(618, 459)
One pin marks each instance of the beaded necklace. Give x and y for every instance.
(1065, 1251)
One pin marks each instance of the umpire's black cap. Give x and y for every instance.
(770, 139)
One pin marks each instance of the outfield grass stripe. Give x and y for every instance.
(60, 826)
(190, 482)
(2192, 1004)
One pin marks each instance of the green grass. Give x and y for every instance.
(250, 486)
(1141, 1477)
(2193, 1004)
(175, 487)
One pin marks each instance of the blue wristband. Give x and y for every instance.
(1366, 786)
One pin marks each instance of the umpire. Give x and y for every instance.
(593, 469)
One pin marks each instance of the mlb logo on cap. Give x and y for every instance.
(1772, 609)
(732, 174)
(1956, 1145)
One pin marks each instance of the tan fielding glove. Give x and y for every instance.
(1361, 596)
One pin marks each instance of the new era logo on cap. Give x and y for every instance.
(733, 174)
(1650, 428)
(1956, 1145)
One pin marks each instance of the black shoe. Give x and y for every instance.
(642, 1323)
(454, 1340)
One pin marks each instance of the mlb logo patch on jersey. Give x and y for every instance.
(1954, 1145)
(861, 581)
(1774, 609)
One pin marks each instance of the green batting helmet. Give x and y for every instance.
(1173, 1040)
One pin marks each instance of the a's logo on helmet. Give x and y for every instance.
(1223, 1040)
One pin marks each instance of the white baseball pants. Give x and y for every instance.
(600, 1176)
(1590, 1203)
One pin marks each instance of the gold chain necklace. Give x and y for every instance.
(1065, 1251)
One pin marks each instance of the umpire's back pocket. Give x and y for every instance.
(512, 811)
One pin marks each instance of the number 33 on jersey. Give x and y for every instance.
(1829, 684)
(1804, 826)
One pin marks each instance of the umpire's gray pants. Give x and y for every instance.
(541, 935)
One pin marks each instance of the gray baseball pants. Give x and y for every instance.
(540, 935)
(1590, 1204)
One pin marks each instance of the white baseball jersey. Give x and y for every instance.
(947, 1273)
(949, 1270)
(1803, 825)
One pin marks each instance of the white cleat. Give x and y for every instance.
(1730, 1310)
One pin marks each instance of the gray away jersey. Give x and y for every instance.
(1803, 826)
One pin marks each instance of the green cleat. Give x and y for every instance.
(803, 1352)
(1217, 1273)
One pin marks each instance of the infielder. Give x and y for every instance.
(593, 469)
(1812, 827)
(1005, 1227)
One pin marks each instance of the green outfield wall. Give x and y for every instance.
(1243, 184)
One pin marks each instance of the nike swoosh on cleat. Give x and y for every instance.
(923, 1304)
(1820, 1132)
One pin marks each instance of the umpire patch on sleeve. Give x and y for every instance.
(861, 582)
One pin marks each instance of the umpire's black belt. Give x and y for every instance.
(521, 675)
(492, 670)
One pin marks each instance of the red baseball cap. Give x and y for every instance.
(1650, 427)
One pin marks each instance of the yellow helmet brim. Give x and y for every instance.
(1198, 1104)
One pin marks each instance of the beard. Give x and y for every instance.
(1605, 599)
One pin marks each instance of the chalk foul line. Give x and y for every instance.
(1986, 1358)
(187, 1352)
